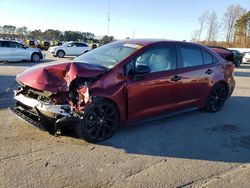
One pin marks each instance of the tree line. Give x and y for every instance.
(10, 31)
(232, 31)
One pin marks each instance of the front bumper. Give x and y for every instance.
(42, 115)
(33, 121)
(47, 109)
(51, 51)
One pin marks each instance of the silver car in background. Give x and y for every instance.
(69, 49)
(246, 57)
(15, 51)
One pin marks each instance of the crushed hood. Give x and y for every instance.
(57, 77)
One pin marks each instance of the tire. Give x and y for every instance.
(60, 54)
(99, 122)
(216, 98)
(35, 57)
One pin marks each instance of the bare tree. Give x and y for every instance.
(195, 35)
(212, 27)
(233, 13)
(202, 21)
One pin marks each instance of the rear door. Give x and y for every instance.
(155, 92)
(196, 70)
(81, 48)
(5, 51)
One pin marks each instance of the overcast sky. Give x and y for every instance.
(169, 19)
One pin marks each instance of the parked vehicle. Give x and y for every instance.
(31, 43)
(237, 57)
(44, 45)
(70, 49)
(246, 57)
(15, 51)
(223, 52)
(120, 83)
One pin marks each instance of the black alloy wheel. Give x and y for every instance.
(100, 121)
(216, 98)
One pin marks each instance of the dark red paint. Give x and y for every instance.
(152, 95)
(57, 77)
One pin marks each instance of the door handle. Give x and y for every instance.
(209, 71)
(176, 78)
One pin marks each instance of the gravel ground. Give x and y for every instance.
(195, 149)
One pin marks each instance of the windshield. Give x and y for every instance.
(108, 55)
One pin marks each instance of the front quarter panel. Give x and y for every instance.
(113, 87)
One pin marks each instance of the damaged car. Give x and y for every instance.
(121, 83)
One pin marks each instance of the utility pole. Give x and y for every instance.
(108, 15)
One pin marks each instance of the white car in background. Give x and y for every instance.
(246, 57)
(69, 49)
(15, 51)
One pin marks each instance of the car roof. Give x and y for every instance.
(145, 42)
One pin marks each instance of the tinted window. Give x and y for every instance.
(15, 45)
(158, 59)
(81, 45)
(190, 56)
(207, 57)
(215, 59)
(4, 44)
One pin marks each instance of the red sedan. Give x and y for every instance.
(120, 83)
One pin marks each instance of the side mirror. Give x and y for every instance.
(142, 70)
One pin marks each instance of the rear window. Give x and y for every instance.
(81, 45)
(207, 57)
(190, 56)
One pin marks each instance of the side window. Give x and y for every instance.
(158, 58)
(215, 60)
(13, 45)
(81, 45)
(70, 44)
(78, 45)
(207, 57)
(4, 44)
(190, 56)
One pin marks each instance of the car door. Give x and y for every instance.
(195, 70)
(154, 92)
(6, 51)
(18, 52)
(71, 49)
(81, 48)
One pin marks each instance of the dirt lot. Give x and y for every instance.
(195, 149)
